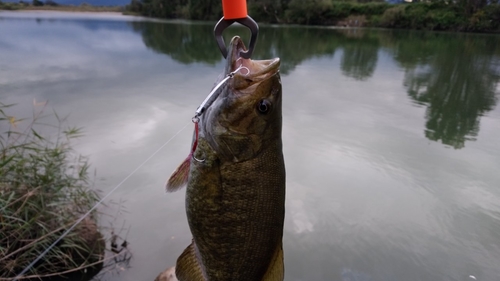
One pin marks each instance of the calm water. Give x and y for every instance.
(391, 138)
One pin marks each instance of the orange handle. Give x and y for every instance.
(234, 9)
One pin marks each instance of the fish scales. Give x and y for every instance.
(235, 196)
(235, 221)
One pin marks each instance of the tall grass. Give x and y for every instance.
(44, 188)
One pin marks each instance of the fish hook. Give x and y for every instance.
(198, 160)
(212, 96)
(239, 68)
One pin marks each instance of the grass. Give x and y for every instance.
(44, 188)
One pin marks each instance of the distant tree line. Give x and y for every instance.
(21, 4)
(458, 15)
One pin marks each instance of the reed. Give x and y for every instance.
(44, 188)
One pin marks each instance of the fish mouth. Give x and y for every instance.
(255, 70)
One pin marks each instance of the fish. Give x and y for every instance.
(235, 178)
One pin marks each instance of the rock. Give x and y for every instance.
(167, 275)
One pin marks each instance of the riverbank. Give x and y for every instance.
(465, 16)
(62, 8)
(44, 188)
(438, 16)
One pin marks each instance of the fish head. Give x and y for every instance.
(247, 114)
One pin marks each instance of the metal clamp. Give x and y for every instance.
(223, 24)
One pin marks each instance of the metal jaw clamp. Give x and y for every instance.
(225, 23)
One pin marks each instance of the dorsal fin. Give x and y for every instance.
(187, 267)
(179, 177)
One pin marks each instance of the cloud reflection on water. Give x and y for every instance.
(366, 189)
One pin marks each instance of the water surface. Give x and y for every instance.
(390, 137)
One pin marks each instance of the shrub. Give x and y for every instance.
(393, 17)
(371, 8)
(10, 6)
(44, 188)
(443, 20)
(416, 15)
(493, 14)
(340, 10)
(37, 3)
(266, 11)
(51, 3)
(309, 12)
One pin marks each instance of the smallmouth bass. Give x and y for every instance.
(235, 196)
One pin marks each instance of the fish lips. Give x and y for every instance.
(248, 71)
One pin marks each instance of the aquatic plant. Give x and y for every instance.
(44, 188)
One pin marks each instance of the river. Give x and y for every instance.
(391, 138)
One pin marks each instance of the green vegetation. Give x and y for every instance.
(440, 16)
(80, 8)
(12, 6)
(54, 6)
(44, 189)
(454, 92)
(37, 3)
(462, 15)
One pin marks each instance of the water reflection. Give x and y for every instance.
(185, 43)
(456, 77)
(190, 43)
(456, 91)
(367, 195)
(360, 54)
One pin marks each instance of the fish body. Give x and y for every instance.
(235, 196)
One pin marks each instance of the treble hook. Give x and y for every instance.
(223, 24)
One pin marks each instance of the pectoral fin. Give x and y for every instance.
(187, 267)
(276, 269)
(179, 177)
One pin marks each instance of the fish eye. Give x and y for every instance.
(264, 106)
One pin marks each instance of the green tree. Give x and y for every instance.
(309, 12)
(135, 6)
(205, 9)
(469, 7)
(272, 11)
(159, 8)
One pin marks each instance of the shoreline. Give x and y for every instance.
(69, 8)
(68, 14)
(33, 11)
(351, 21)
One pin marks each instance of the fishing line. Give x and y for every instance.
(95, 206)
